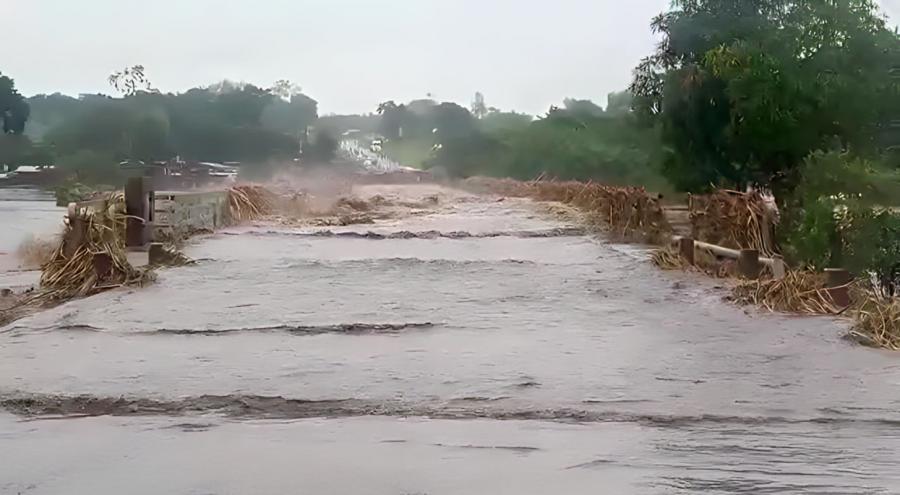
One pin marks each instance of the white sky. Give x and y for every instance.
(348, 54)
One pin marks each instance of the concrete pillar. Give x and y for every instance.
(686, 249)
(778, 267)
(748, 264)
(76, 236)
(139, 205)
(837, 283)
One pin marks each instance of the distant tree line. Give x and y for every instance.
(90, 134)
(579, 140)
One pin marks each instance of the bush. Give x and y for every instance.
(840, 216)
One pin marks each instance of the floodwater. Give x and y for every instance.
(483, 347)
(25, 214)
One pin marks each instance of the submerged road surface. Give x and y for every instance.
(471, 347)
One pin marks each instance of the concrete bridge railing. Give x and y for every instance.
(180, 214)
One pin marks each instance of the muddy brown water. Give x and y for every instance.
(25, 213)
(525, 357)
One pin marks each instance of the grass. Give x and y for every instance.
(410, 152)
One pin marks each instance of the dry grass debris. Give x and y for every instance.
(90, 258)
(799, 292)
(250, 202)
(668, 258)
(628, 212)
(877, 321)
(734, 220)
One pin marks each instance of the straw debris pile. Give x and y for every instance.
(91, 257)
(250, 202)
(800, 292)
(626, 211)
(734, 220)
(668, 258)
(877, 321)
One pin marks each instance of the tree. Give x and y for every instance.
(149, 136)
(48, 111)
(242, 105)
(582, 108)
(619, 103)
(321, 150)
(479, 109)
(285, 89)
(392, 118)
(12, 148)
(745, 90)
(452, 121)
(292, 116)
(223, 122)
(104, 127)
(14, 110)
(497, 121)
(386, 107)
(130, 80)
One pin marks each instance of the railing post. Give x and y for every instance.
(779, 270)
(837, 283)
(139, 204)
(748, 264)
(686, 248)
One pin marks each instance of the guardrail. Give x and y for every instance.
(179, 214)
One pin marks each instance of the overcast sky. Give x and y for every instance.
(347, 54)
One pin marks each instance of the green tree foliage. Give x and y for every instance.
(12, 148)
(223, 122)
(101, 126)
(14, 109)
(839, 217)
(580, 142)
(449, 121)
(241, 105)
(130, 80)
(91, 166)
(293, 115)
(393, 116)
(745, 90)
(425, 118)
(48, 111)
(320, 150)
(583, 109)
(500, 122)
(149, 138)
(619, 103)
